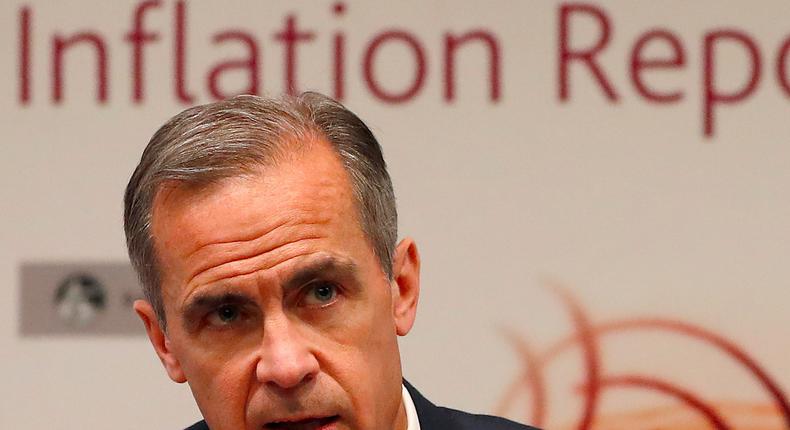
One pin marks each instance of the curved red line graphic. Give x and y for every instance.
(586, 335)
(533, 379)
(693, 331)
(508, 397)
(664, 387)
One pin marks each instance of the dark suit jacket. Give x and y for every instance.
(433, 417)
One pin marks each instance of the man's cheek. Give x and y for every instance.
(217, 374)
(221, 395)
(348, 324)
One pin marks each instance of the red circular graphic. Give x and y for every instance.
(587, 336)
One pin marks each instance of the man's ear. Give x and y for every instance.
(406, 285)
(159, 340)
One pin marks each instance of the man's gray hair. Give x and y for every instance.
(211, 142)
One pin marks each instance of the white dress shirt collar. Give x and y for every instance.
(413, 422)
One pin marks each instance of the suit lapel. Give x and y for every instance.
(431, 417)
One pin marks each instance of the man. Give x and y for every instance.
(264, 233)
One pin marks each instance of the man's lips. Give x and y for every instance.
(304, 424)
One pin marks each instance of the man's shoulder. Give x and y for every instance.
(469, 421)
(434, 417)
(198, 426)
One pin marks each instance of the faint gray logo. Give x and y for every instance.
(79, 298)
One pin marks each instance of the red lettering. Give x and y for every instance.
(180, 54)
(452, 43)
(250, 63)
(60, 44)
(138, 37)
(339, 69)
(290, 36)
(711, 95)
(340, 66)
(640, 64)
(419, 59)
(24, 55)
(586, 56)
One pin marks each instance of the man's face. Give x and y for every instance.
(279, 315)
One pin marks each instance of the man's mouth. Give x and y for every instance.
(325, 423)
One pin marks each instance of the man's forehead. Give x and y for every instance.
(312, 186)
(308, 163)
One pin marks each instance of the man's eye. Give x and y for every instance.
(320, 293)
(224, 315)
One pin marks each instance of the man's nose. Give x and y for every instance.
(286, 359)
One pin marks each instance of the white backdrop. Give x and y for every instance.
(627, 204)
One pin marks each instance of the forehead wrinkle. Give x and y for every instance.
(301, 213)
(259, 243)
(252, 237)
(234, 258)
(304, 223)
(248, 265)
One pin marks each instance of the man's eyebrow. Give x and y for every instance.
(324, 266)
